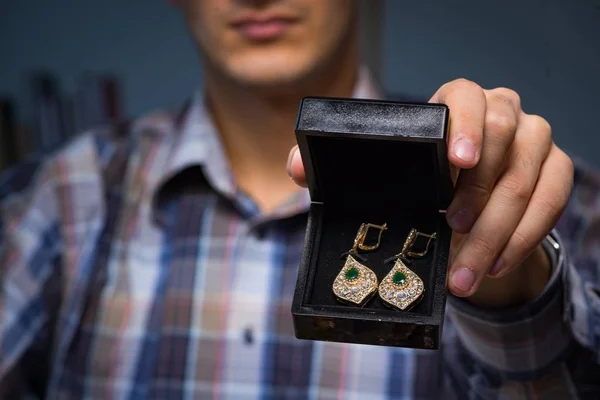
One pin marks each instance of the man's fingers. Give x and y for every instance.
(474, 186)
(543, 211)
(295, 169)
(505, 208)
(467, 103)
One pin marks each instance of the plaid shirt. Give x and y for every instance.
(132, 267)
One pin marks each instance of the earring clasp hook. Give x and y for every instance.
(361, 236)
(409, 243)
(412, 239)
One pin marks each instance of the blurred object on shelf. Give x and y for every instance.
(67, 105)
(24, 142)
(57, 116)
(9, 152)
(97, 101)
(48, 123)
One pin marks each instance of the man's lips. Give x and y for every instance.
(263, 28)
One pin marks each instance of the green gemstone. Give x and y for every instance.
(352, 274)
(399, 278)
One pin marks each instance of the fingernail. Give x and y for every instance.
(497, 268)
(465, 150)
(463, 279)
(290, 159)
(462, 220)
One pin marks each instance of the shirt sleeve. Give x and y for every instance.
(521, 342)
(529, 350)
(29, 276)
(580, 230)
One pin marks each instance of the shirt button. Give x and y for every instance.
(248, 336)
(261, 232)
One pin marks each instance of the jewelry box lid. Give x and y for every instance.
(357, 150)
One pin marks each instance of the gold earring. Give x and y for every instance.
(402, 288)
(356, 283)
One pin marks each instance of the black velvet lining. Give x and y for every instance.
(376, 181)
(395, 176)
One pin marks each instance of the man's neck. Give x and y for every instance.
(257, 130)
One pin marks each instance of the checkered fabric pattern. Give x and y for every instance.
(132, 267)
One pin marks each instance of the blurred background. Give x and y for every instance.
(67, 65)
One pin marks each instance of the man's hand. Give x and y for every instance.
(512, 185)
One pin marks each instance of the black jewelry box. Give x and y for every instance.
(369, 161)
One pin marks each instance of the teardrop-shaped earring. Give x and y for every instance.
(356, 283)
(402, 288)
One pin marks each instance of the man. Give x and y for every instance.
(158, 259)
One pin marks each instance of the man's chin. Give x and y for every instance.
(270, 78)
(273, 75)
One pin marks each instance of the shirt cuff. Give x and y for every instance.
(521, 342)
(582, 307)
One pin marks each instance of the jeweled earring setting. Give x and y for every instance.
(356, 283)
(402, 288)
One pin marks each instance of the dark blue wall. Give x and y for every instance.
(143, 41)
(547, 50)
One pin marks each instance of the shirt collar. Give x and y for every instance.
(197, 143)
